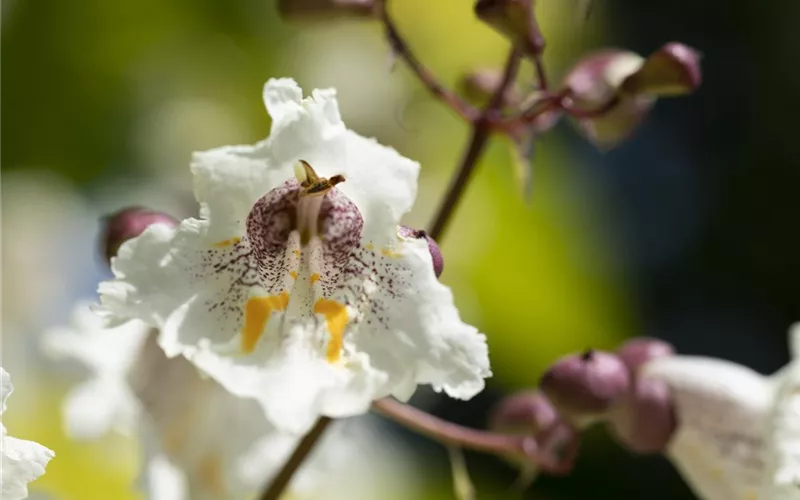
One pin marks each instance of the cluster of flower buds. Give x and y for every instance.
(595, 386)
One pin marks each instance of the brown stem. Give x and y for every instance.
(481, 130)
(536, 43)
(401, 49)
(518, 446)
(301, 452)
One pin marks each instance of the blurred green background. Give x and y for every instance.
(686, 232)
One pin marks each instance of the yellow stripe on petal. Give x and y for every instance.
(227, 243)
(257, 312)
(313, 278)
(336, 319)
(392, 254)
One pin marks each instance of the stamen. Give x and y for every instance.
(314, 189)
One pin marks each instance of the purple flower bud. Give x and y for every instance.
(594, 84)
(129, 223)
(527, 413)
(433, 248)
(636, 352)
(585, 385)
(672, 70)
(511, 18)
(645, 421)
(299, 10)
(613, 90)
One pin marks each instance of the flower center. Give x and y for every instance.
(302, 235)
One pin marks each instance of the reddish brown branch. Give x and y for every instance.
(401, 49)
(519, 447)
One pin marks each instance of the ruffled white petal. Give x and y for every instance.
(416, 335)
(292, 381)
(99, 406)
(782, 458)
(721, 409)
(163, 480)
(229, 180)
(21, 461)
(105, 401)
(6, 388)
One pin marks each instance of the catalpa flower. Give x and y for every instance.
(297, 287)
(22, 461)
(198, 440)
(738, 432)
(135, 389)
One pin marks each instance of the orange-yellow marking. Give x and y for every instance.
(227, 243)
(313, 278)
(388, 252)
(369, 246)
(257, 312)
(293, 274)
(336, 318)
(297, 252)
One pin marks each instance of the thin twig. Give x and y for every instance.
(536, 43)
(517, 446)
(481, 130)
(301, 452)
(401, 49)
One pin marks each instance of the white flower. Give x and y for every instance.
(22, 461)
(297, 293)
(105, 401)
(198, 440)
(738, 435)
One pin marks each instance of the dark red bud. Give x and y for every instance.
(129, 223)
(433, 247)
(585, 385)
(636, 352)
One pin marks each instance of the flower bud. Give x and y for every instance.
(645, 421)
(129, 223)
(433, 248)
(671, 71)
(558, 447)
(511, 18)
(481, 84)
(300, 10)
(636, 352)
(581, 386)
(594, 84)
(618, 88)
(527, 413)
